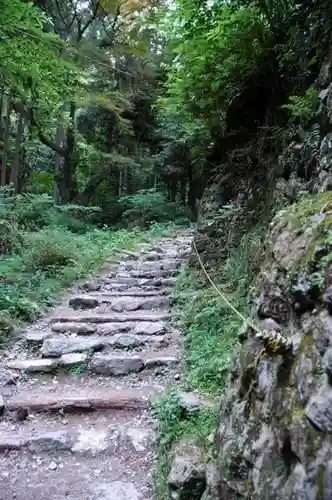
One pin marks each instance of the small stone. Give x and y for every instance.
(2, 404)
(118, 490)
(151, 256)
(126, 341)
(124, 304)
(83, 302)
(91, 286)
(50, 441)
(34, 365)
(170, 265)
(38, 337)
(149, 328)
(161, 361)
(74, 358)
(177, 376)
(52, 466)
(190, 401)
(140, 439)
(115, 365)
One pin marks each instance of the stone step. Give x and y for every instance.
(109, 318)
(130, 293)
(83, 440)
(82, 329)
(62, 344)
(73, 398)
(153, 274)
(111, 364)
(57, 346)
(118, 304)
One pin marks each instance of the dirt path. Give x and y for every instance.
(76, 388)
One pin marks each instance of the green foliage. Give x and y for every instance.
(10, 238)
(210, 326)
(151, 206)
(30, 58)
(37, 264)
(305, 106)
(214, 56)
(174, 425)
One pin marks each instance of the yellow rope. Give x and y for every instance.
(273, 340)
(223, 296)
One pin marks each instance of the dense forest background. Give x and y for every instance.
(119, 114)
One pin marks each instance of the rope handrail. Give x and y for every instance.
(273, 340)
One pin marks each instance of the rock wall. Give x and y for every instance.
(274, 438)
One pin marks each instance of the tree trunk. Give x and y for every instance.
(192, 192)
(67, 184)
(15, 170)
(173, 188)
(120, 190)
(59, 138)
(5, 119)
(183, 189)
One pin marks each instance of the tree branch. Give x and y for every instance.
(43, 138)
(82, 29)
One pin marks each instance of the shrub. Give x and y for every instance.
(151, 206)
(50, 249)
(31, 212)
(11, 239)
(6, 327)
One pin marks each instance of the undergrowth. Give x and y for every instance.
(50, 260)
(175, 424)
(210, 335)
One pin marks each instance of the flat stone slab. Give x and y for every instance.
(113, 365)
(56, 347)
(114, 328)
(78, 328)
(73, 359)
(124, 399)
(34, 365)
(124, 304)
(38, 337)
(50, 441)
(114, 317)
(129, 341)
(11, 443)
(108, 296)
(150, 328)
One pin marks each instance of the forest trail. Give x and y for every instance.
(76, 388)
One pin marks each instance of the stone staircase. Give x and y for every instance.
(76, 388)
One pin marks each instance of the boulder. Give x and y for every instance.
(186, 479)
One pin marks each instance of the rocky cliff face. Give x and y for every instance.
(274, 438)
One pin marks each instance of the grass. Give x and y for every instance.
(173, 426)
(210, 334)
(50, 260)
